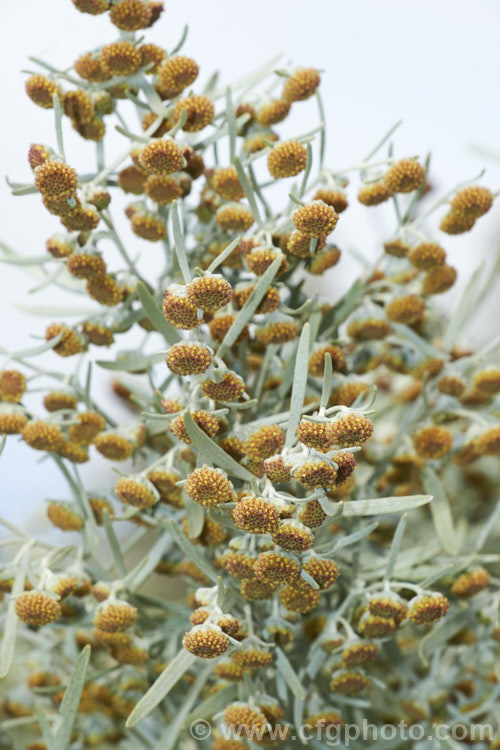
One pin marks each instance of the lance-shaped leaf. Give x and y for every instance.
(191, 551)
(10, 626)
(299, 385)
(441, 511)
(180, 248)
(288, 673)
(155, 315)
(382, 505)
(71, 700)
(212, 451)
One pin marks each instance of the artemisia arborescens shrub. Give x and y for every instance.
(300, 529)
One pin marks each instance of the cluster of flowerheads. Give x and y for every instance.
(252, 450)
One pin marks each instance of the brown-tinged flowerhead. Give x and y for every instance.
(210, 292)
(316, 219)
(244, 719)
(148, 227)
(428, 608)
(140, 494)
(408, 309)
(301, 85)
(12, 386)
(433, 442)
(349, 683)
(80, 218)
(265, 442)
(238, 564)
(472, 202)
(97, 334)
(396, 247)
(273, 112)
(312, 514)
(162, 189)
(189, 358)
(349, 431)
(206, 642)
(234, 217)
(226, 183)
(347, 393)
(252, 658)
(93, 7)
(38, 154)
(56, 400)
(230, 388)
(41, 91)
(325, 572)
(223, 743)
(456, 223)
(43, 436)
(120, 58)
(277, 333)
(439, 279)
(64, 517)
(451, 385)
(269, 302)
(427, 255)
(229, 671)
(85, 266)
(89, 424)
(199, 112)
(132, 179)
(259, 260)
(255, 515)
(299, 597)
(178, 308)
(105, 290)
(205, 421)
(488, 443)
(316, 365)
(56, 179)
(276, 469)
(174, 75)
(486, 382)
(373, 194)
(314, 435)
(152, 54)
(472, 583)
(36, 608)
(12, 423)
(388, 606)
(115, 616)
(163, 156)
(334, 197)
(404, 176)
(292, 535)
(98, 506)
(209, 487)
(369, 329)
(78, 106)
(88, 67)
(359, 653)
(287, 159)
(130, 15)
(276, 567)
(324, 720)
(323, 260)
(316, 472)
(113, 446)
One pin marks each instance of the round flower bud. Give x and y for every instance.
(174, 75)
(93, 7)
(203, 419)
(316, 473)
(244, 719)
(451, 386)
(252, 658)
(179, 310)
(439, 279)
(287, 159)
(130, 15)
(259, 260)
(324, 260)
(349, 431)
(238, 564)
(347, 393)
(273, 112)
(164, 481)
(456, 223)
(139, 494)
(232, 673)
(36, 609)
(359, 653)
(265, 442)
(369, 329)
(324, 720)
(12, 423)
(37, 155)
(472, 201)
(316, 219)
(234, 217)
(427, 255)
(257, 589)
(404, 176)
(12, 386)
(276, 470)
(97, 334)
(269, 303)
(314, 435)
(41, 90)
(388, 606)
(74, 452)
(316, 364)
(199, 110)
(189, 358)
(112, 446)
(85, 266)
(301, 85)
(132, 179)
(105, 290)
(293, 536)
(373, 194)
(162, 189)
(470, 584)
(207, 643)
(300, 598)
(276, 567)
(255, 515)
(428, 608)
(54, 178)
(148, 227)
(115, 617)
(433, 442)
(80, 219)
(226, 183)
(120, 58)
(90, 423)
(220, 325)
(209, 487)
(231, 388)
(43, 436)
(487, 382)
(325, 572)
(98, 507)
(488, 444)
(162, 157)
(312, 514)
(210, 292)
(396, 248)
(332, 197)
(349, 683)
(64, 517)
(408, 309)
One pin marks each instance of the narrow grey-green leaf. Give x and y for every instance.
(299, 385)
(327, 381)
(212, 451)
(464, 307)
(10, 627)
(45, 729)
(396, 545)
(247, 189)
(356, 536)
(191, 551)
(379, 506)
(132, 363)
(179, 246)
(212, 705)
(288, 672)
(231, 123)
(161, 687)
(223, 255)
(114, 544)
(440, 510)
(155, 315)
(247, 311)
(71, 700)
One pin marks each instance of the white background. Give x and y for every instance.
(432, 63)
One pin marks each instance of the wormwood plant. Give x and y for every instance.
(301, 529)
